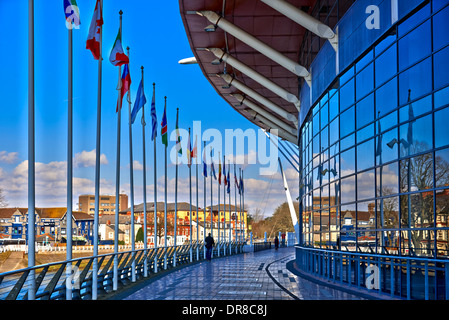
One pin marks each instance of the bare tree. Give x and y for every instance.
(3, 202)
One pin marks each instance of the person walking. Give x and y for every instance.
(276, 243)
(210, 243)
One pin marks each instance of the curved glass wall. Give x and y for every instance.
(375, 148)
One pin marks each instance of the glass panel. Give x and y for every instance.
(414, 46)
(389, 213)
(365, 111)
(441, 68)
(442, 168)
(316, 124)
(418, 79)
(324, 114)
(414, 20)
(385, 43)
(417, 173)
(415, 109)
(386, 65)
(441, 128)
(364, 61)
(366, 221)
(316, 145)
(348, 122)
(333, 106)
(346, 76)
(365, 133)
(347, 230)
(387, 121)
(347, 142)
(442, 216)
(365, 81)
(387, 98)
(334, 131)
(441, 98)
(348, 189)
(441, 25)
(347, 95)
(415, 137)
(387, 179)
(348, 162)
(365, 155)
(365, 185)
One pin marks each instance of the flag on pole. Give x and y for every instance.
(236, 181)
(204, 164)
(241, 185)
(225, 180)
(189, 152)
(126, 83)
(212, 170)
(178, 137)
(153, 115)
(72, 13)
(93, 39)
(118, 56)
(140, 101)
(164, 127)
(229, 181)
(219, 170)
(194, 150)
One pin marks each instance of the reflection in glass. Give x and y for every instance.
(389, 146)
(414, 46)
(334, 131)
(347, 159)
(347, 119)
(387, 97)
(365, 155)
(441, 19)
(419, 107)
(347, 142)
(386, 65)
(365, 111)
(442, 168)
(333, 106)
(348, 190)
(418, 79)
(347, 95)
(387, 180)
(365, 185)
(415, 136)
(365, 81)
(417, 173)
(441, 128)
(441, 68)
(441, 220)
(366, 222)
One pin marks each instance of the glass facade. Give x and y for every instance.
(375, 148)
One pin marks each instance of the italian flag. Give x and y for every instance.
(93, 39)
(118, 57)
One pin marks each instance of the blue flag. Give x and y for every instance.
(204, 166)
(229, 182)
(213, 170)
(139, 103)
(153, 116)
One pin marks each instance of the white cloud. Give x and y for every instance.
(86, 159)
(8, 157)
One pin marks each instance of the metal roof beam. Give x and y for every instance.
(267, 83)
(259, 98)
(259, 110)
(258, 45)
(305, 20)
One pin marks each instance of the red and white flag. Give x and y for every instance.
(93, 39)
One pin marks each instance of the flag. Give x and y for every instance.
(126, 83)
(117, 56)
(72, 13)
(93, 39)
(194, 150)
(204, 165)
(225, 181)
(219, 171)
(236, 181)
(164, 127)
(178, 137)
(212, 170)
(189, 152)
(141, 100)
(228, 181)
(241, 185)
(153, 115)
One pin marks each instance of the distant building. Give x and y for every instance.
(86, 203)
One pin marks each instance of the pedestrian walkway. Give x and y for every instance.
(251, 276)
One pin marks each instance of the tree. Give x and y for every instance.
(3, 202)
(140, 236)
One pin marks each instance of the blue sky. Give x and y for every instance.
(155, 34)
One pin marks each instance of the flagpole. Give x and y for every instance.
(165, 204)
(69, 168)
(175, 229)
(145, 240)
(155, 188)
(31, 155)
(97, 171)
(224, 204)
(189, 159)
(117, 174)
(197, 203)
(211, 197)
(235, 211)
(218, 219)
(230, 214)
(243, 207)
(240, 198)
(204, 211)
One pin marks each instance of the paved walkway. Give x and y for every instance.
(252, 276)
